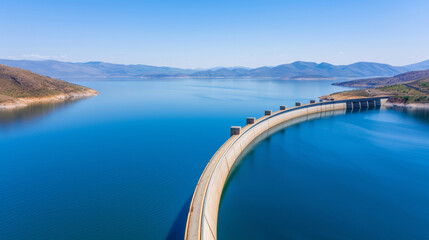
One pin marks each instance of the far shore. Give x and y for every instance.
(24, 102)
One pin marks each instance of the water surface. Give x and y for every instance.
(362, 175)
(124, 164)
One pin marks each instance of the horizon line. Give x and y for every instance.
(201, 68)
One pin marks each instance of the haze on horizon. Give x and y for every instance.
(203, 34)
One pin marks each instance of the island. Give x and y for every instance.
(20, 88)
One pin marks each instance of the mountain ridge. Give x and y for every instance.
(384, 81)
(295, 70)
(418, 66)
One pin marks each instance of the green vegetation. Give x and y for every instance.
(409, 92)
(412, 92)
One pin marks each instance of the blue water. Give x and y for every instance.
(361, 175)
(124, 164)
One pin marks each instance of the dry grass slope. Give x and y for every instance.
(16, 84)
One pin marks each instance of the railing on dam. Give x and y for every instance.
(203, 211)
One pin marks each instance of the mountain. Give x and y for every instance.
(384, 81)
(293, 70)
(222, 72)
(306, 69)
(418, 66)
(19, 87)
(326, 70)
(92, 69)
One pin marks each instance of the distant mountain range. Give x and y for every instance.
(59, 69)
(418, 66)
(296, 70)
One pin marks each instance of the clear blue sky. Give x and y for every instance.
(199, 33)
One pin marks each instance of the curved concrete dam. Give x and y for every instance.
(203, 211)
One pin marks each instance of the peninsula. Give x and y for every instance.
(405, 94)
(20, 88)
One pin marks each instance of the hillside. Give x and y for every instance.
(92, 69)
(418, 66)
(306, 69)
(384, 81)
(19, 87)
(412, 92)
(293, 70)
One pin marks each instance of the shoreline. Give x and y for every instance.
(338, 96)
(25, 102)
(407, 105)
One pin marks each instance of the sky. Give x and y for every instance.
(202, 34)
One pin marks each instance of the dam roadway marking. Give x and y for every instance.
(203, 211)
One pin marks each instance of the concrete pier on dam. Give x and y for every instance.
(203, 212)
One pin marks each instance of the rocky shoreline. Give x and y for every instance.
(24, 102)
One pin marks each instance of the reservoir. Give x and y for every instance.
(124, 164)
(360, 175)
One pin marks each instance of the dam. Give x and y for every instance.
(203, 211)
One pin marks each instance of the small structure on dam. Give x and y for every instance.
(203, 211)
(250, 120)
(235, 130)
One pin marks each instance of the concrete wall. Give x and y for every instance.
(203, 212)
